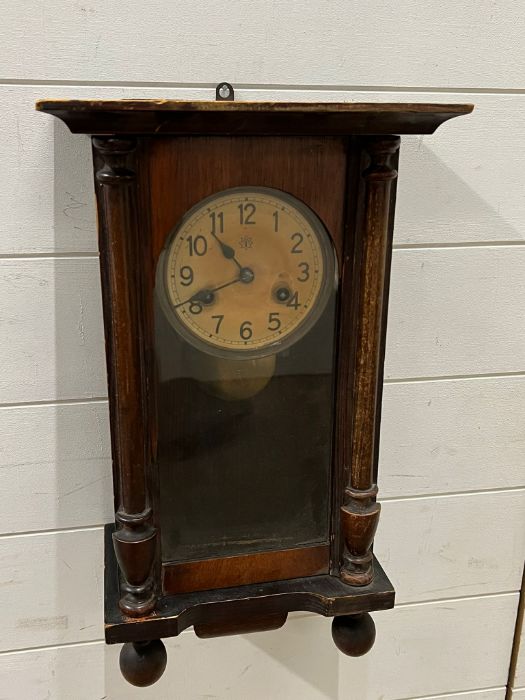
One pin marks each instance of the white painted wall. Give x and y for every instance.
(452, 476)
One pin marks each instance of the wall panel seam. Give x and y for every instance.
(393, 499)
(22, 650)
(56, 402)
(453, 494)
(97, 527)
(456, 693)
(460, 245)
(49, 256)
(406, 380)
(26, 650)
(51, 82)
(442, 601)
(452, 377)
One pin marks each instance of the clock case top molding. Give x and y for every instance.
(310, 150)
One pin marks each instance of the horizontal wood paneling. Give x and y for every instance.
(323, 43)
(55, 467)
(435, 648)
(518, 694)
(46, 199)
(456, 435)
(456, 311)
(432, 548)
(453, 546)
(461, 184)
(437, 437)
(420, 650)
(52, 588)
(50, 309)
(51, 323)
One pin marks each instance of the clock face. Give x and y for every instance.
(247, 272)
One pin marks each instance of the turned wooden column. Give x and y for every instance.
(360, 511)
(120, 259)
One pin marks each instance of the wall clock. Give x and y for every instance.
(245, 252)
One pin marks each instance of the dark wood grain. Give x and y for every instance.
(225, 572)
(249, 118)
(242, 625)
(354, 635)
(325, 595)
(360, 511)
(143, 663)
(157, 159)
(183, 171)
(120, 255)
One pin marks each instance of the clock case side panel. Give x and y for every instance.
(365, 276)
(123, 243)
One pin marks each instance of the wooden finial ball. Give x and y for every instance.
(354, 635)
(143, 663)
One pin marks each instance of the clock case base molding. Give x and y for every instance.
(239, 610)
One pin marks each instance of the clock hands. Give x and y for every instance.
(207, 296)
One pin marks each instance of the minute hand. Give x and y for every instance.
(226, 284)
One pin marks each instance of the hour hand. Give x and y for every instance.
(227, 251)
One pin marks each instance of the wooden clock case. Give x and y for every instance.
(153, 160)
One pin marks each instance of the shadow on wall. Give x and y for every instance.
(434, 204)
(306, 650)
(83, 485)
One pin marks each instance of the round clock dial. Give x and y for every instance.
(248, 271)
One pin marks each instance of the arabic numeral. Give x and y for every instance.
(299, 238)
(186, 275)
(219, 318)
(217, 222)
(197, 245)
(245, 331)
(195, 308)
(274, 322)
(246, 212)
(305, 274)
(293, 301)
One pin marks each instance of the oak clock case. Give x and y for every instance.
(245, 255)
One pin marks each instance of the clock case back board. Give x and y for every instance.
(246, 500)
(153, 161)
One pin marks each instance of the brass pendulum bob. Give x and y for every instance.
(232, 379)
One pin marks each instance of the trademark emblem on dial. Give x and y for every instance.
(246, 242)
